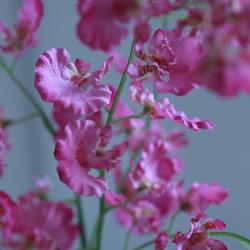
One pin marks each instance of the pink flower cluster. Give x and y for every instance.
(223, 27)
(80, 143)
(5, 140)
(152, 194)
(209, 47)
(22, 36)
(198, 236)
(34, 221)
(102, 24)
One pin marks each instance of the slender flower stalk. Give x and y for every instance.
(125, 247)
(101, 218)
(172, 221)
(21, 86)
(108, 122)
(244, 241)
(20, 120)
(120, 88)
(81, 220)
(126, 118)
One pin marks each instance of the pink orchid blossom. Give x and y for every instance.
(161, 241)
(44, 225)
(62, 119)
(200, 196)
(43, 185)
(140, 138)
(222, 69)
(198, 236)
(170, 55)
(164, 109)
(71, 87)
(7, 216)
(22, 36)
(98, 26)
(155, 170)
(140, 215)
(102, 24)
(79, 149)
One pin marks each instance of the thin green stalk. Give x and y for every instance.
(192, 4)
(127, 118)
(149, 243)
(101, 218)
(13, 64)
(81, 220)
(20, 120)
(108, 122)
(20, 85)
(172, 221)
(244, 241)
(164, 22)
(123, 80)
(125, 246)
(93, 235)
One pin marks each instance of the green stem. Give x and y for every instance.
(123, 80)
(108, 122)
(81, 220)
(19, 84)
(13, 64)
(20, 120)
(93, 235)
(237, 237)
(192, 4)
(101, 218)
(127, 118)
(172, 221)
(179, 16)
(164, 22)
(125, 247)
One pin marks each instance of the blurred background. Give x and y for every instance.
(221, 155)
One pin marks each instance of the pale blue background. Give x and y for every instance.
(219, 155)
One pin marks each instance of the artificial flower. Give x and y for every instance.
(71, 87)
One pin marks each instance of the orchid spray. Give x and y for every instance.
(120, 141)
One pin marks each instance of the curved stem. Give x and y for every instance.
(20, 85)
(20, 120)
(123, 80)
(126, 118)
(108, 122)
(101, 218)
(13, 64)
(81, 220)
(125, 247)
(172, 221)
(237, 237)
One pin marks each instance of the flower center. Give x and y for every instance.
(82, 158)
(70, 72)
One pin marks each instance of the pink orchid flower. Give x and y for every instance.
(198, 236)
(22, 36)
(80, 148)
(71, 87)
